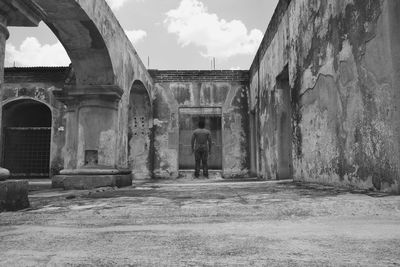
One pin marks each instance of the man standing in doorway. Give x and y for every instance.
(201, 147)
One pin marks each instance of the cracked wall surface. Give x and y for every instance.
(185, 89)
(343, 73)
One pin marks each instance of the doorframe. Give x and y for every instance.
(283, 85)
(179, 131)
(11, 101)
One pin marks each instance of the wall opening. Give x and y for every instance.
(253, 145)
(284, 127)
(139, 124)
(188, 122)
(27, 139)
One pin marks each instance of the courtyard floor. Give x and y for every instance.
(204, 224)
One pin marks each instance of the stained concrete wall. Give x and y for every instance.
(106, 65)
(177, 89)
(140, 121)
(38, 84)
(343, 64)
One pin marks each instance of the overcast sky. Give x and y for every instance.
(175, 34)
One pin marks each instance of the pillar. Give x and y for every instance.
(393, 9)
(4, 34)
(13, 194)
(91, 139)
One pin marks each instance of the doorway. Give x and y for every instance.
(27, 138)
(284, 127)
(188, 121)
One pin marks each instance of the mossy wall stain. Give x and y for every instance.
(344, 112)
(230, 96)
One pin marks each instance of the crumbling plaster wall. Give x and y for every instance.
(105, 62)
(200, 89)
(344, 78)
(139, 134)
(26, 85)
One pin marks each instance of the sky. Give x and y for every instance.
(173, 34)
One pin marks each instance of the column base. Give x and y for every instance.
(90, 179)
(14, 195)
(4, 174)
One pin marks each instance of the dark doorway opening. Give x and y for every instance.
(188, 121)
(284, 127)
(253, 143)
(26, 139)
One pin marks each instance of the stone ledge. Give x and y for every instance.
(85, 182)
(14, 195)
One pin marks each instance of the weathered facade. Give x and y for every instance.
(180, 97)
(26, 93)
(106, 66)
(149, 141)
(319, 103)
(326, 77)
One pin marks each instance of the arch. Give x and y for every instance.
(102, 56)
(27, 138)
(21, 98)
(81, 38)
(139, 131)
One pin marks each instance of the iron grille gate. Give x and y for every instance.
(27, 151)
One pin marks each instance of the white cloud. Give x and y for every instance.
(117, 4)
(193, 24)
(32, 53)
(136, 36)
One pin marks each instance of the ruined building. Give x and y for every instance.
(319, 103)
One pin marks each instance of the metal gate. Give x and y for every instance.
(27, 151)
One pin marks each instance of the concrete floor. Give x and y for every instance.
(204, 224)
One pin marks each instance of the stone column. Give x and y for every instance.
(4, 34)
(91, 133)
(13, 194)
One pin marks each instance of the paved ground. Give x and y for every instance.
(214, 224)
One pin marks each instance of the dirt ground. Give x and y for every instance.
(204, 224)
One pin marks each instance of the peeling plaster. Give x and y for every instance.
(107, 144)
(343, 102)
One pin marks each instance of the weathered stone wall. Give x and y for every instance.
(140, 121)
(38, 84)
(343, 67)
(182, 89)
(149, 147)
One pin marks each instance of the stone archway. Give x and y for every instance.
(27, 138)
(105, 65)
(139, 134)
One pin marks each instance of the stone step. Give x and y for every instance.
(39, 184)
(212, 174)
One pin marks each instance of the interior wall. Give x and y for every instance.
(205, 89)
(343, 93)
